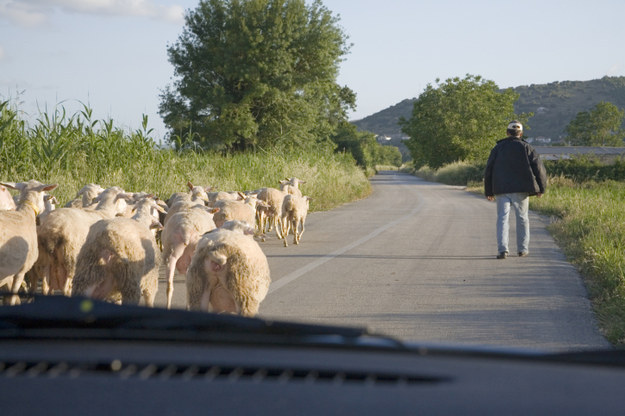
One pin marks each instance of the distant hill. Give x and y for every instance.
(554, 105)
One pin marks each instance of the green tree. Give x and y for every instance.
(390, 155)
(364, 147)
(460, 119)
(361, 144)
(256, 73)
(601, 126)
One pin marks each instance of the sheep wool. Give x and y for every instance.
(18, 234)
(228, 273)
(120, 256)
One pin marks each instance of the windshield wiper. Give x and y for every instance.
(59, 316)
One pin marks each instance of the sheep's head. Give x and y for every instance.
(89, 193)
(31, 191)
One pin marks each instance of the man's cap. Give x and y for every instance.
(515, 126)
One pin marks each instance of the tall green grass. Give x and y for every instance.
(73, 150)
(456, 173)
(590, 228)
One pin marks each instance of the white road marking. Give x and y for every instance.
(278, 284)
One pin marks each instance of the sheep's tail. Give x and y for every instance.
(196, 281)
(50, 242)
(89, 276)
(98, 274)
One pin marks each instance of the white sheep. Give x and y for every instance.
(229, 272)
(86, 196)
(294, 212)
(18, 234)
(214, 197)
(269, 215)
(291, 186)
(49, 202)
(179, 237)
(180, 201)
(242, 210)
(61, 236)
(6, 200)
(120, 257)
(32, 276)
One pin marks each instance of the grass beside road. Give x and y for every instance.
(590, 227)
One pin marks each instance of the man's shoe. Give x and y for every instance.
(502, 255)
(523, 253)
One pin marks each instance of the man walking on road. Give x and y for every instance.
(514, 172)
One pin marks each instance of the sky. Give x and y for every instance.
(111, 55)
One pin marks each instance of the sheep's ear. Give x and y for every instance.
(124, 196)
(214, 210)
(155, 225)
(48, 188)
(11, 185)
(190, 185)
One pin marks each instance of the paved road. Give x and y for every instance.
(416, 260)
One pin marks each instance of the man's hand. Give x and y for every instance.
(490, 198)
(538, 195)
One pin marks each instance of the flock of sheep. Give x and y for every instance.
(109, 244)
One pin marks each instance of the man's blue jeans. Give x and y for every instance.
(520, 203)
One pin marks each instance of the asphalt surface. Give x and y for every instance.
(416, 260)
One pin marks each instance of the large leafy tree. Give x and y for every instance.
(459, 119)
(601, 126)
(256, 73)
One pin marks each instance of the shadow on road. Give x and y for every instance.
(382, 257)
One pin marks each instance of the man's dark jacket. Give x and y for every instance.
(514, 166)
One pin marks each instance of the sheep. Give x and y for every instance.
(61, 236)
(32, 276)
(229, 272)
(120, 256)
(294, 212)
(18, 234)
(179, 237)
(6, 200)
(134, 199)
(291, 186)
(85, 196)
(50, 203)
(180, 201)
(236, 225)
(214, 197)
(244, 210)
(178, 196)
(268, 217)
(195, 193)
